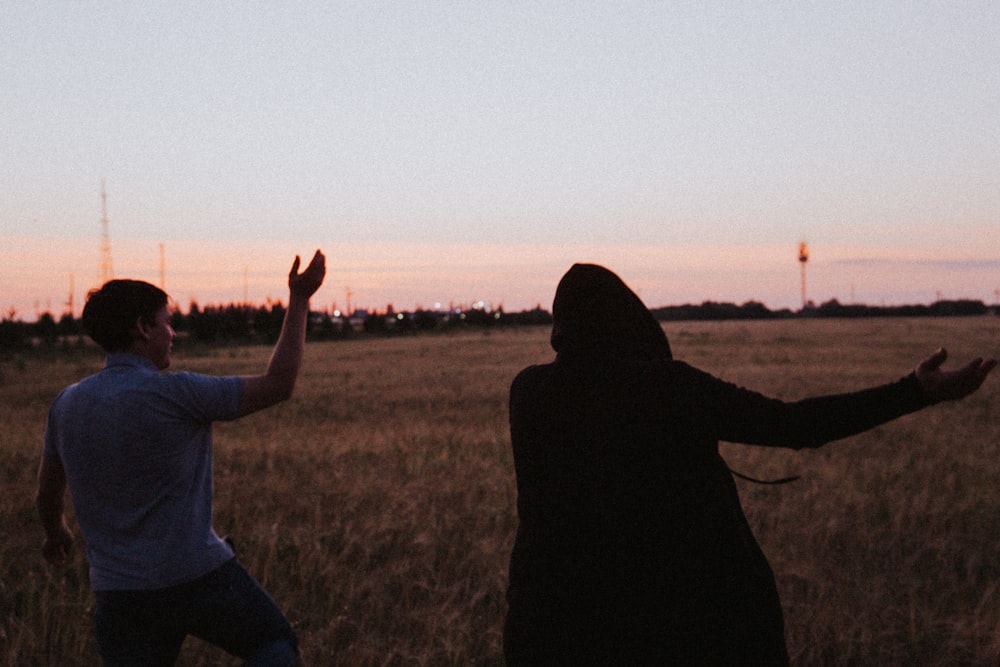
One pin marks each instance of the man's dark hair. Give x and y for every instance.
(114, 309)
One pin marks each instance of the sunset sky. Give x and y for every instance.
(455, 152)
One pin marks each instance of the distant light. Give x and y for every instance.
(399, 316)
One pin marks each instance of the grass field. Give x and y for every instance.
(377, 506)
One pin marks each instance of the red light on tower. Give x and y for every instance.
(803, 258)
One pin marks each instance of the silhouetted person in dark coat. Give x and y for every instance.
(632, 546)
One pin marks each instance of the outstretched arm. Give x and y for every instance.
(50, 499)
(941, 385)
(748, 417)
(278, 381)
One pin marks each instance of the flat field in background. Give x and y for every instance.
(377, 506)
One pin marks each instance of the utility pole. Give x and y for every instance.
(69, 301)
(163, 270)
(107, 273)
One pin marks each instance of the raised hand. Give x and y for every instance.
(306, 283)
(941, 385)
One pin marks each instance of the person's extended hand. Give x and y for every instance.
(306, 283)
(940, 385)
(57, 548)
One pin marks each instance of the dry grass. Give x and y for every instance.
(378, 505)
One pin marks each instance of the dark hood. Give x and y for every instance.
(595, 313)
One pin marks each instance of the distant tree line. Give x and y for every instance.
(960, 307)
(248, 324)
(753, 310)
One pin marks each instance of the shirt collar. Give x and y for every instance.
(129, 359)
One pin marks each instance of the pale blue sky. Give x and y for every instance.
(866, 127)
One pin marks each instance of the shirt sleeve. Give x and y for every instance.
(49, 449)
(205, 398)
(744, 416)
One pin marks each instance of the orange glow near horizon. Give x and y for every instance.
(37, 274)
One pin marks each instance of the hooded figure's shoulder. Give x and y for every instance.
(532, 374)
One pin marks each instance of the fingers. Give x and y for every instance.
(933, 362)
(306, 283)
(974, 366)
(317, 263)
(979, 367)
(941, 385)
(964, 381)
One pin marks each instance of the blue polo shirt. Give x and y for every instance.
(136, 445)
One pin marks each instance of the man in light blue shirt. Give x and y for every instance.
(134, 447)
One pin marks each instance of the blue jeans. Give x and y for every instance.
(226, 607)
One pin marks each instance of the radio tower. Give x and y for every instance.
(69, 301)
(163, 269)
(107, 273)
(803, 258)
